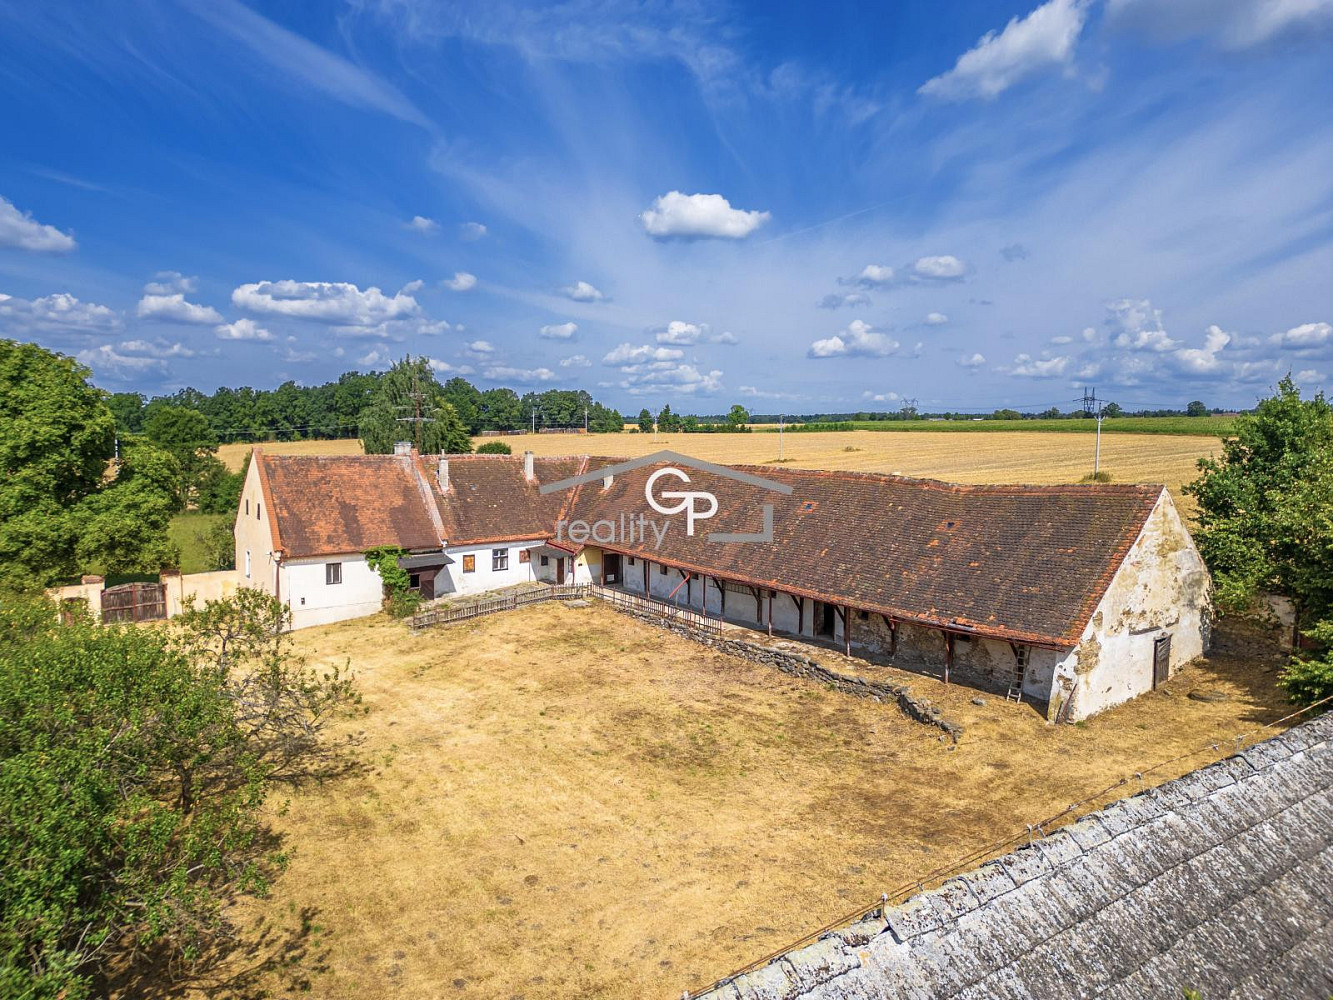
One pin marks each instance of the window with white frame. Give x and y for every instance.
(499, 560)
(333, 574)
(247, 564)
(546, 560)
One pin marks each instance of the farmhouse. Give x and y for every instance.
(1078, 596)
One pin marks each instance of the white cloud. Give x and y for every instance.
(581, 291)
(1306, 337)
(1204, 360)
(421, 224)
(461, 281)
(170, 282)
(558, 331)
(836, 300)
(697, 216)
(21, 230)
(375, 357)
(412, 286)
(106, 360)
(628, 354)
(330, 301)
(875, 275)
(471, 231)
(881, 397)
(157, 348)
(59, 313)
(971, 361)
(680, 332)
(242, 329)
(936, 319)
(1046, 37)
(175, 309)
(671, 379)
(1028, 367)
(443, 367)
(1310, 376)
(942, 268)
(481, 347)
(1232, 24)
(725, 337)
(501, 373)
(1062, 340)
(1136, 326)
(859, 339)
(575, 361)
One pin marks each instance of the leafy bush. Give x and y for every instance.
(399, 600)
(134, 765)
(494, 448)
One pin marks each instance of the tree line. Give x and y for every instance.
(293, 412)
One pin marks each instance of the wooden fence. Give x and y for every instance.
(427, 617)
(637, 603)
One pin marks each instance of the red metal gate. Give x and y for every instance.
(134, 602)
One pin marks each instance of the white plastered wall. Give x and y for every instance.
(254, 537)
(452, 579)
(315, 601)
(1162, 588)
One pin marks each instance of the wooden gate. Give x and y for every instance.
(1161, 660)
(134, 602)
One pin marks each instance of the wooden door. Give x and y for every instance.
(560, 570)
(610, 567)
(1161, 660)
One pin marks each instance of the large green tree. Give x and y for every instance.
(188, 436)
(64, 506)
(1266, 520)
(409, 404)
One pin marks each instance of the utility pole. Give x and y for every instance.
(534, 420)
(1095, 407)
(781, 420)
(585, 419)
(419, 414)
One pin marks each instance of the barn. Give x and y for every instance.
(1078, 597)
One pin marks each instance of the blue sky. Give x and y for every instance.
(798, 207)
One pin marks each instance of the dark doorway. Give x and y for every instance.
(560, 570)
(1161, 660)
(611, 567)
(824, 615)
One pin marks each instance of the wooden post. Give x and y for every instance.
(948, 656)
(847, 629)
(722, 597)
(770, 612)
(800, 615)
(645, 578)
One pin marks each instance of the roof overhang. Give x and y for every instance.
(424, 560)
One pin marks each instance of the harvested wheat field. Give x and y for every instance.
(567, 802)
(960, 457)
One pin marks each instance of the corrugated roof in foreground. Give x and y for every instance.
(1220, 881)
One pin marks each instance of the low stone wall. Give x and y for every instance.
(799, 665)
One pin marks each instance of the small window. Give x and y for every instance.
(524, 556)
(499, 560)
(863, 615)
(413, 581)
(259, 511)
(247, 564)
(469, 564)
(546, 560)
(631, 560)
(247, 506)
(333, 574)
(661, 570)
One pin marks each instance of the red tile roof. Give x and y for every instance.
(1028, 563)
(322, 505)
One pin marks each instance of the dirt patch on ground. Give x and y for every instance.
(567, 802)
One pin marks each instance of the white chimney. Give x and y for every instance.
(402, 447)
(606, 482)
(527, 466)
(444, 474)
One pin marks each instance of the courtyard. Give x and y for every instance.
(563, 801)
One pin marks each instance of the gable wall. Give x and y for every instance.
(254, 534)
(1162, 588)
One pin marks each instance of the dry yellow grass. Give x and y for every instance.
(565, 802)
(995, 457)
